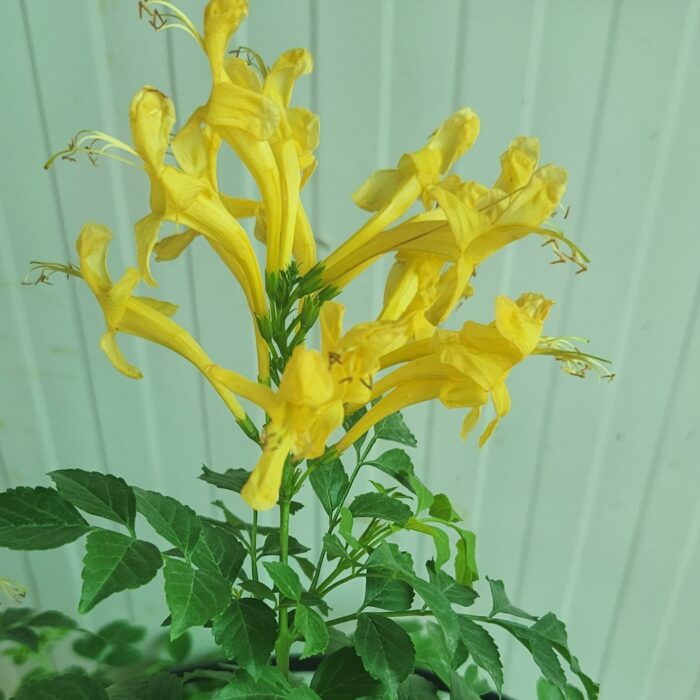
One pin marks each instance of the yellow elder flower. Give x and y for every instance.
(390, 193)
(303, 413)
(461, 369)
(354, 357)
(139, 316)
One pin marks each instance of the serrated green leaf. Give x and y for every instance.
(440, 539)
(218, 552)
(285, 578)
(442, 509)
(395, 462)
(341, 676)
(268, 684)
(231, 479)
(424, 498)
(258, 589)
(394, 428)
(388, 556)
(377, 505)
(329, 482)
(68, 686)
(466, 571)
(387, 593)
(501, 603)
(416, 688)
(455, 592)
(193, 597)
(114, 562)
(431, 649)
(247, 631)
(350, 421)
(334, 547)
(435, 599)
(271, 546)
(99, 494)
(547, 691)
(482, 649)
(52, 619)
(460, 689)
(345, 528)
(172, 520)
(38, 518)
(89, 646)
(121, 632)
(313, 629)
(386, 650)
(160, 686)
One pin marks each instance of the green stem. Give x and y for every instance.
(253, 547)
(400, 613)
(284, 639)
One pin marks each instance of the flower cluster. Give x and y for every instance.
(402, 357)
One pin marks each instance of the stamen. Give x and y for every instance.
(574, 361)
(252, 58)
(86, 141)
(161, 20)
(47, 269)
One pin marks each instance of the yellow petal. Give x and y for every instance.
(221, 19)
(306, 380)
(521, 323)
(146, 231)
(261, 491)
(291, 65)
(236, 107)
(306, 128)
(242, 74)
(240, 208)
(376, 191)
(518, 163)
(331, 320)
(501, 402)
(92, 245)
(152, 117)
(304, 247)
(470, 421)
(108, 343)
(171, 247)
(162, 307)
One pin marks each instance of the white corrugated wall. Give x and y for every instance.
(586, 500)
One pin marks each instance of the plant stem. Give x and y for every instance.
(284, 639)
(399, 613)
(253, 547)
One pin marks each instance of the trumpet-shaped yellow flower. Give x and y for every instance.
(140, 316)
(303, 413)
(354, 357)
(390, 193)
(275, 141)
(461, 369)
(188, 195)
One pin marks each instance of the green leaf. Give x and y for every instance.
(258, 589)
(247, 631)
(424, 498)
(38, 518)
(350, 421)
(388, 556)
(460, 689)
(22, 635)
(308, 568)
(501, 603)
(161, 686)
(386, 650)
(193, 597)
(416, 688)
(387, 593)
(315, 601)
(345, 528)
(114, 562)
(172, 520)
(394, 428)
(121, 632)
(231, 479)
(482, 649)
(218, 552)
(271, 546)
(466, 571)
(89, 646)
(435, 599)
(52, 619)
(377, 505)
(396, 463)
(179, 648)
(99, 494)
(268, 684)
(334, 547)
(547, 691)
(69, 686)
(329, 482)
(442, 509)
(285, 578)
(313, 629)
(455, 592)
(440, 539)
(341, 676)
(122, 655)
(431, 650)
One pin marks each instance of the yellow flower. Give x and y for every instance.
(140, 316)
(354, 357)
(274, 140)
(461, 369)
(188, 195)
(390, 193)
(303, 413)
